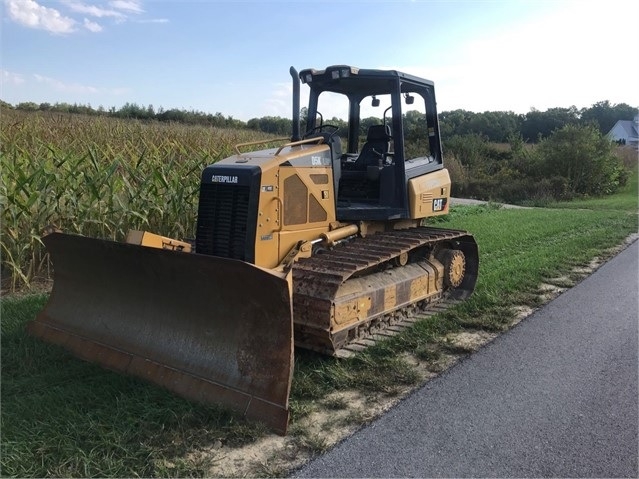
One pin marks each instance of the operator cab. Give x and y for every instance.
(383, 131)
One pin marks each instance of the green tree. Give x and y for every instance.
(497, 126)
(605, 115)
(471, 150)
(584, 157)
(455, 122)
(540, 124)
(27, 106)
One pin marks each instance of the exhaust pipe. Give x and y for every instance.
(296, 105)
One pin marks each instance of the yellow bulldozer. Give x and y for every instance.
(318, 242)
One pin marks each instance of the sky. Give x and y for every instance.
(233, 57)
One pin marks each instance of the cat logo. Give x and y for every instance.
(223, 179)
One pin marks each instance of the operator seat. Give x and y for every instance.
(377, 144)
(360, 180)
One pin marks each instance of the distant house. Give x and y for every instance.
(626, 132)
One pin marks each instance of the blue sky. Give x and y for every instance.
(233, 56)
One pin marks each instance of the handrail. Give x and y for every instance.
(318, 140)
(258, 142)
(280, 214)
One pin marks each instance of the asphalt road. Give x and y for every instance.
(556, 396)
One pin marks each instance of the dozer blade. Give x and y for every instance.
(209, 329)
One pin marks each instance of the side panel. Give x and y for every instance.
(269, 221)
(308, 204)
(429, 195)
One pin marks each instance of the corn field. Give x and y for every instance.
(98, 177)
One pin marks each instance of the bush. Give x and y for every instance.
(458, 174)
(471, 150)
(628, 156)
(573, 161)
(585, 158)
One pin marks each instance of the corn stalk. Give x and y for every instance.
(97, 177)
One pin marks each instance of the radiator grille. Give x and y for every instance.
(222, 220)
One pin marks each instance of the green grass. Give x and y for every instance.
(626, 199)
(63, 417)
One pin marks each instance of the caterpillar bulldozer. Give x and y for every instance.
(317, 242)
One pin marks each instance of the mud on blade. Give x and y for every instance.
(209, 329)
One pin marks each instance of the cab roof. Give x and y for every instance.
(351, 80)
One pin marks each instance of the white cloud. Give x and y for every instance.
(25, 87)
(76, 88)
(276, 104)
(11, 78)
(65, 87)
(280, 101)
(131, 6)
(92, 10)
(92, 26)
(153, 20)
(31, 14)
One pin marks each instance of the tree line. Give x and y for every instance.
(531, 158)
(494, 126)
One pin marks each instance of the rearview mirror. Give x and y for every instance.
(375, 102)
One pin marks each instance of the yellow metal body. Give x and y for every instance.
(297, 199)
(424, 192)
(144, 238)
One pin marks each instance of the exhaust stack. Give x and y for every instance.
(296, 105)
